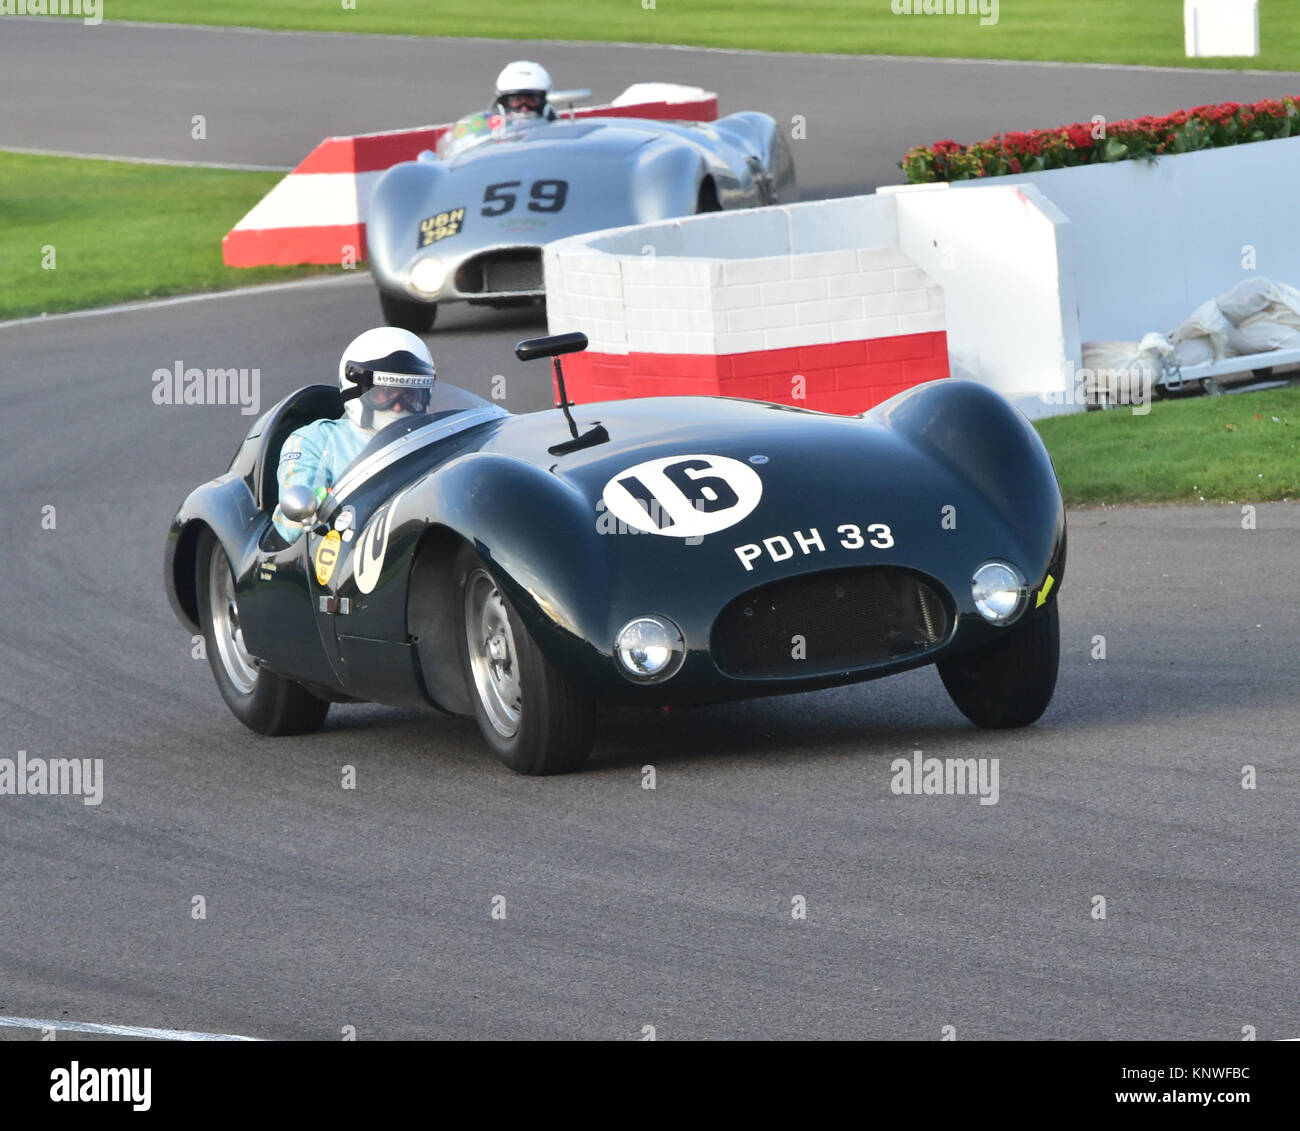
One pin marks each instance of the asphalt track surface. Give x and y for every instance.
(625, 907)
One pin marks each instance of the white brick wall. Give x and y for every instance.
(728, 283)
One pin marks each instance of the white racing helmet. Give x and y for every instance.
(385, 374)
(522, 90)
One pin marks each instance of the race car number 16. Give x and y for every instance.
(684, 496)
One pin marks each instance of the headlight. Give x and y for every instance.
(999, 592)
(650, 649)
(428, 275)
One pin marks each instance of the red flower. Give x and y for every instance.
(1221, 124)
(1079, 136)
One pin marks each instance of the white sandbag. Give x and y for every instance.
(1261, 298)
(1194, 351)
(1283, 308)
(1207, 327)
(1124, 372)
(1261, 335)
(1248, 297)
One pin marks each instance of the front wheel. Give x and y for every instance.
(1009, 682)
(262, 701)
(536, 719)
(407, 314)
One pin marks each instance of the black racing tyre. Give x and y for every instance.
(536, 719)
(1009, 682)
(707, 200)
(408, 314)
(262, 701)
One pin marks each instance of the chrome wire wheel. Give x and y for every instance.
(493, 657)
(229, 636)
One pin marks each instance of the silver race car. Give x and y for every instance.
(468, 223)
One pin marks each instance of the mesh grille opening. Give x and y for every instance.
(511, 271)
(847, 618)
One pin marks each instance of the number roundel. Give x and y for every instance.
(684, 496)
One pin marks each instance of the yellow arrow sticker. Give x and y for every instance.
(1042, 593)
(327, 556)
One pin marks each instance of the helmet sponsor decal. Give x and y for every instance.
(685, 496)
(327, 556)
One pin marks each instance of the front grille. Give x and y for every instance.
(828, 622)
(514, 270)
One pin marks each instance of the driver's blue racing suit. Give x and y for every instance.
(315, 455)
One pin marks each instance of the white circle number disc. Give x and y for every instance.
(684, 496)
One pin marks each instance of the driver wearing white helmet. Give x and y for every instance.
(384, 374)
(522, 91)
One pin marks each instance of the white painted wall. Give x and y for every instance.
(992, 268)
(1152, 241)
(1002, 256)
(736, 282)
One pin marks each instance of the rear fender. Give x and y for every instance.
(226, 507)
(667, 181)
(759, 135)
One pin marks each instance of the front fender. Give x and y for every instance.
(989, 445)
(538, 534)
(402, 198)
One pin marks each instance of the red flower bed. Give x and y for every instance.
(1089, 143)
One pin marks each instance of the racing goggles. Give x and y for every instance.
(517, 100)
(396, 398)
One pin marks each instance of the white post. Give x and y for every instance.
(1221, 27)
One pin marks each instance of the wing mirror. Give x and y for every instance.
(553, 347)
(298, 504)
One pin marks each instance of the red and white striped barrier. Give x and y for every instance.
(673, 308)
(317, 214)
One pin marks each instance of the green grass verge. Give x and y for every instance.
(1098, 31)
(1240, 448)
(119, 231)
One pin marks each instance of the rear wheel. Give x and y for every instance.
(536, 719)
(1010, 682)
(408, 314)
(707, 200)
(263, 702)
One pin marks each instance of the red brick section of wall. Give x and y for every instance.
(843, 377)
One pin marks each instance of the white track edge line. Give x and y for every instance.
(184, 300)
(30, 152)
(118, 1030)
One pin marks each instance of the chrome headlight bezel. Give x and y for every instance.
(1000, 592)
(627, 645)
